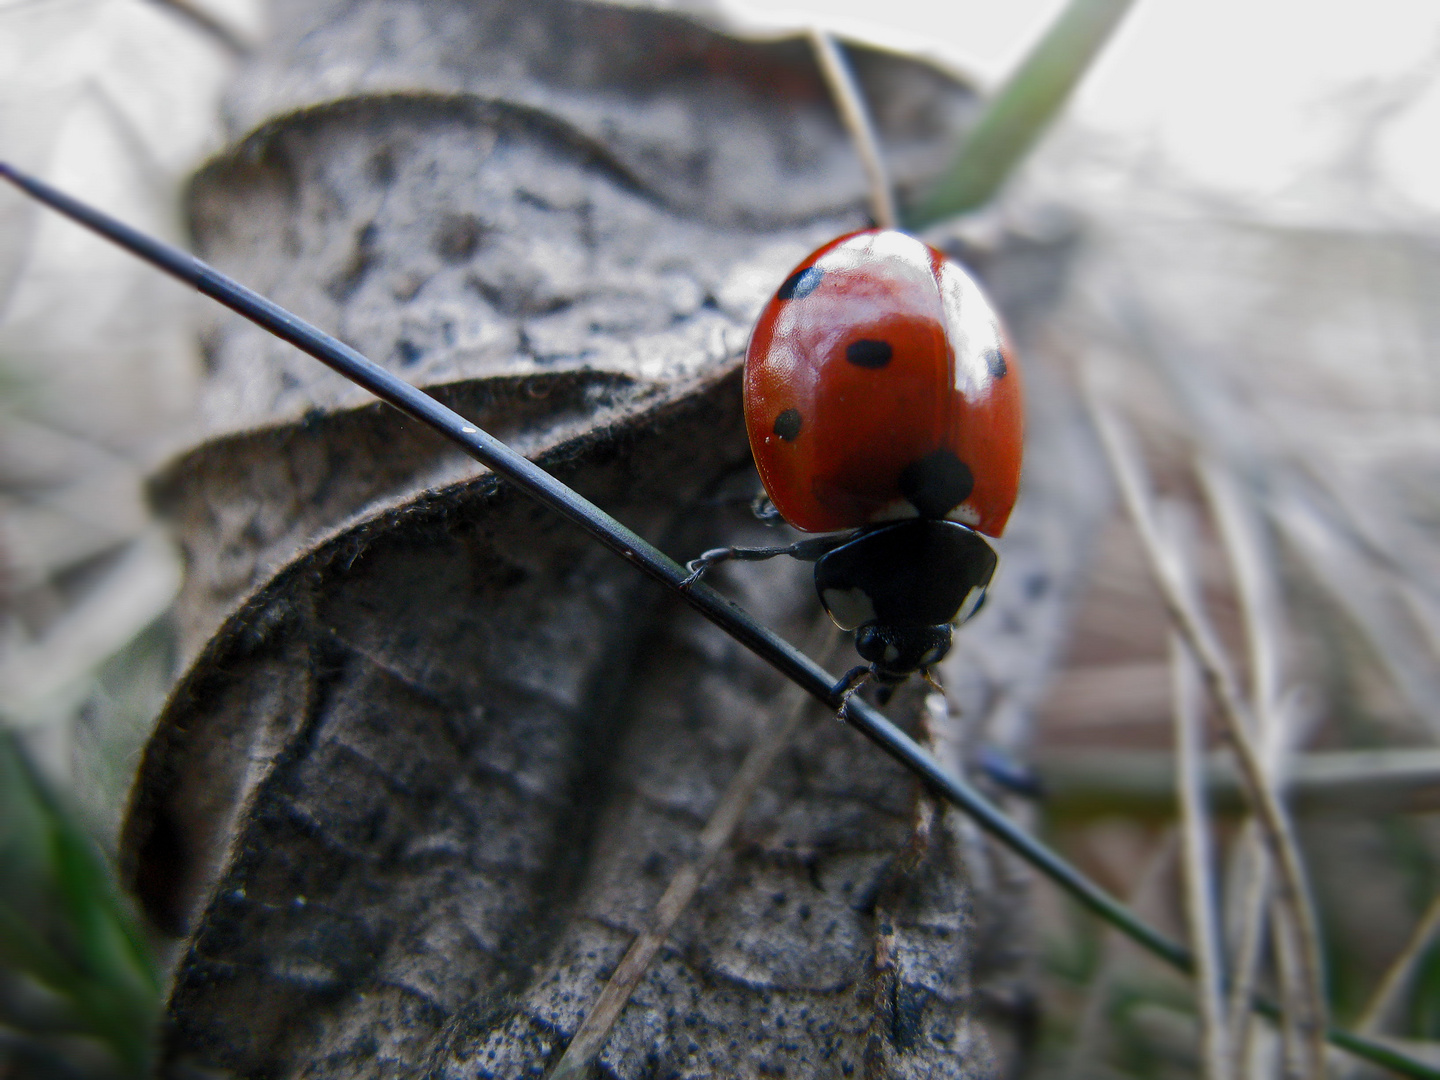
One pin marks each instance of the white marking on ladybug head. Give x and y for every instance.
(965, 514)
(895, 510)
(891, 654)
(971, 602)
(849, 608)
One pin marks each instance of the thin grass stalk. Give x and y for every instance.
(1275, 828)
(1309, 509)
(1197, 865)
(1259, 607)
(1365, 588)
(790, 709)
(1091, 1026)
(1288, 954)
(1142, 782)
(850, 103)
(1393, 987)
(1254, 905)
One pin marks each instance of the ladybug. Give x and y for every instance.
(884, 407)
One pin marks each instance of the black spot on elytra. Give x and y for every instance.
(995, 361)
(787, 424)
(869, 353)
(799, 284)
(937, 483)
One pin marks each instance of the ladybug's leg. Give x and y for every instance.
(697, 567)
(850, 684)
(805, 550)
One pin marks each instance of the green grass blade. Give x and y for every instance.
(63, 922)
(1019, 112)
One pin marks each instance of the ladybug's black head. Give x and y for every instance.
(897, 652)
(901, 587)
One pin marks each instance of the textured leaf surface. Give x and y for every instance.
(464, 761)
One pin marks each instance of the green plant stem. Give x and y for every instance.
(1019, 112)
(74, 934)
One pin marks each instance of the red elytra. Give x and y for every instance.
(879, 385)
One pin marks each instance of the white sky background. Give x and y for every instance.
(1243, 97)
(1249, 98)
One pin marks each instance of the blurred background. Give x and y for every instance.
(1257, 189)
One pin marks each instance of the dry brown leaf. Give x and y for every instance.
(438, 753)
